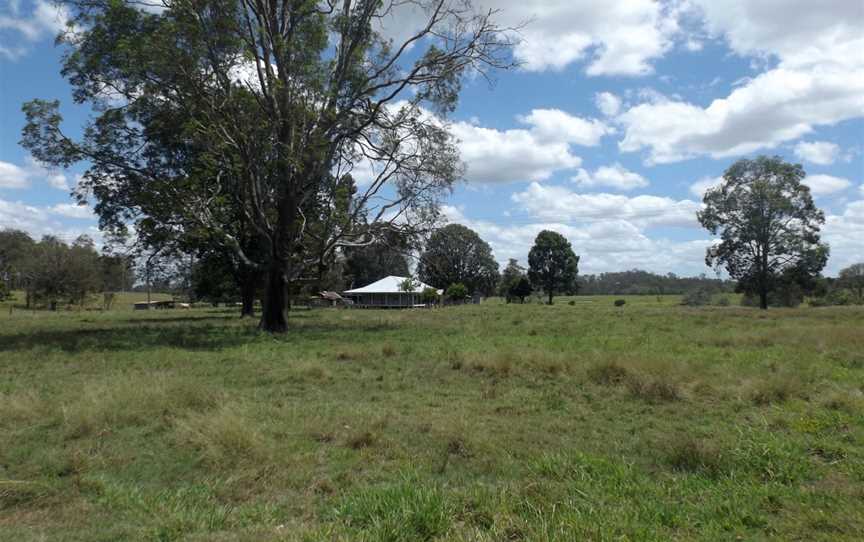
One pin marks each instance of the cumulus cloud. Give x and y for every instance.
(608, 103)
(818, 79)
(701, 186)
(44, 20)
(615, 176)
(557, 203)
(843, 233)
(533, 153)
(71, 210)
(823, 185)
(12, 176)
(822, 153)
(15, 176)
(39, 221)
(557, 125)
(610, 37)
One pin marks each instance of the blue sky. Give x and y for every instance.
(621, 113)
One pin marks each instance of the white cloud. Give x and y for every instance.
(612, 37)
(701, 186)
(615, 176)
(533, 153)
(12, 176)
(608, 103)
(71, 210)
(556, 125)
(45, 20)
(39, 221)
(822, 153)
(843, 234)
(818, 80)
(559, 204)
(822, 185)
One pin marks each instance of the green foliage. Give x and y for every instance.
(768, 226)
(552, 264)
(457, 292)
(429, 295)
(852, 277)
(456, 254)
(620, 302)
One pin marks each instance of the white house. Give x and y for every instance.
(388, 293)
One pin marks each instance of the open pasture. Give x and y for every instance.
(494, 422)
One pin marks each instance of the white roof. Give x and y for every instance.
(388, 285)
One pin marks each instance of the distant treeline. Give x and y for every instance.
(639, 282)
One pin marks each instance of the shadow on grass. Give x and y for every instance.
(213, 332)
(205, 337)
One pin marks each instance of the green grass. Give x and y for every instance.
(484, 423)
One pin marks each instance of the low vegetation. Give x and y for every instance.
(489, 422)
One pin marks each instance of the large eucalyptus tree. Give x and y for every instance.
(211, 113)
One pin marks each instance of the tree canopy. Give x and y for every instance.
(456, 254)
(768, 226)
(553, 266)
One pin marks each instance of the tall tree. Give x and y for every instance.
(456, 254)
(280, 99)
(852, 277)
(552, 264)
(16, 248)
(510, 278)
(768, 225)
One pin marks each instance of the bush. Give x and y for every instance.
(429, 296)
(697, 298)
(620, 302)
(722, 301)
(457, 292)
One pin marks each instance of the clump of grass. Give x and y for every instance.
(844, 402)
(360, 440)
(24, 407)
(498, 363)
(224, 438)
(21, 492)
(388, 351)
(608, 373)
(132, 400)
(653, 389)
(409, 511)
(697, 456)
(775, 391)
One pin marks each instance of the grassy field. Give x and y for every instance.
(492, 422)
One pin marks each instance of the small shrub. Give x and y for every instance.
(571, 302)
(608, 373)
(388, 351)
(364, 439)
(722, 301)
(620, 302)
(653, 390)
(691, 455)
(775, 391)
(697, 298)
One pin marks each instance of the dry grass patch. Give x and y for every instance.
(776, 391)
(608, 373)
(696, 455)
(654, 389)
(132, 400)
(224, 437)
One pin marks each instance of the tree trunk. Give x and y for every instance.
(247, 294)
(763, 298)
(550, 296)
(274, 316)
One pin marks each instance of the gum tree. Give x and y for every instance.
(767, 223)
(258, 109)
